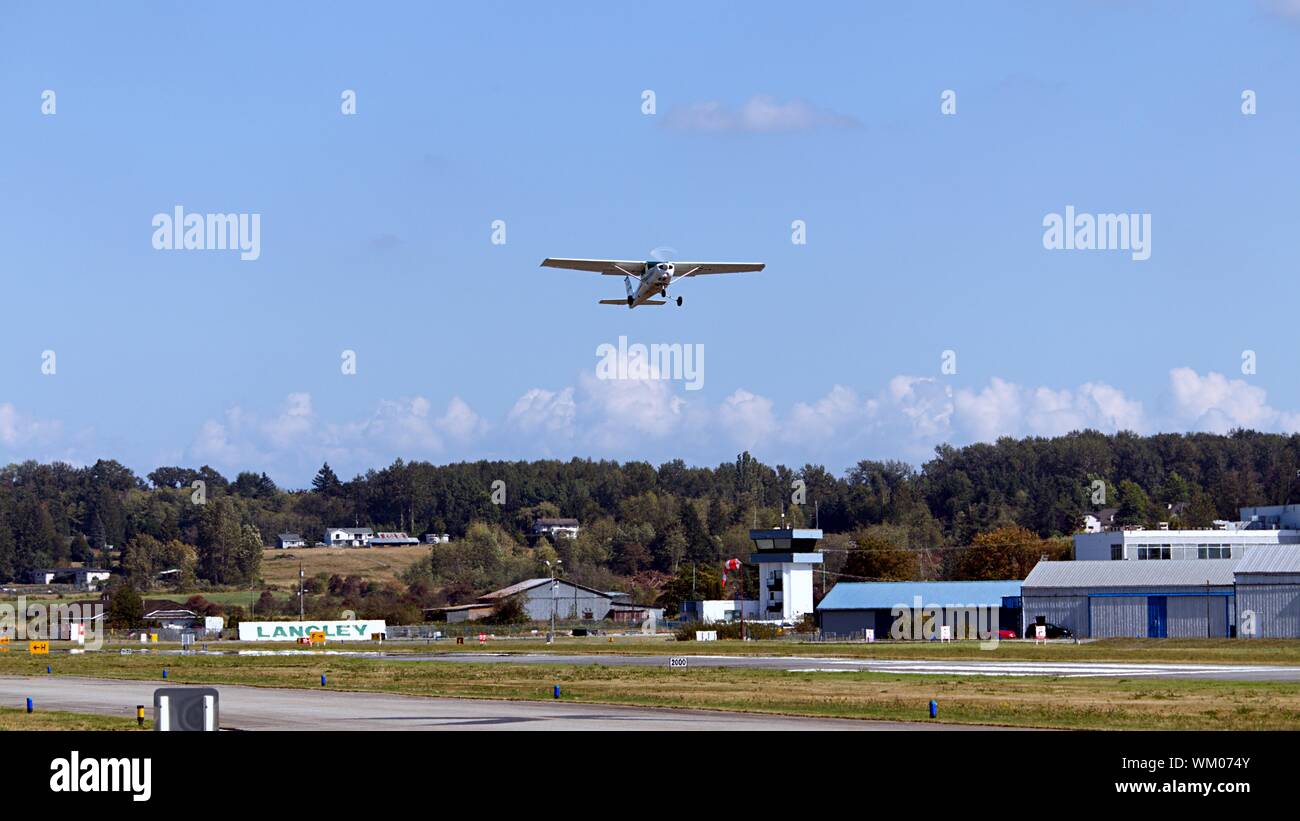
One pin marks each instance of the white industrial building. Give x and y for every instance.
(1259, 526)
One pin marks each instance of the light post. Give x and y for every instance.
(551, 567)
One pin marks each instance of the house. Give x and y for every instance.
(284, 540)
(556, 528)
(436, 538)
(1100, 520)
(86, 578)
(392, 539)
(348, 536)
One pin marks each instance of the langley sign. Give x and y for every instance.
(294, 630)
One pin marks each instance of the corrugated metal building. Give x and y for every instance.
(1193, 598)
(1268, 592)
(853, 607)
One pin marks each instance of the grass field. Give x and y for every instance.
(1220, 651)
(18, 719)
(1074, 703)
(1132, 651)
(376, 564)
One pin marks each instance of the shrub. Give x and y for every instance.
(727, 630)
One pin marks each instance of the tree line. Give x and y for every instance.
(640, 522)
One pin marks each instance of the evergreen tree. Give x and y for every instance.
(326, 481)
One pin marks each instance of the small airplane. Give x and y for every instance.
(653, 277)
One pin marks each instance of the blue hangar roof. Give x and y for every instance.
(886, 595)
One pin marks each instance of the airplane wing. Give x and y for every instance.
(609, 267)
(697, 269)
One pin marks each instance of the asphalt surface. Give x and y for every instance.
(259, 708)
(969, 667)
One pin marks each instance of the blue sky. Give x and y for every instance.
(924, 230)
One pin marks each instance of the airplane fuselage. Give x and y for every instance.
(655, 279)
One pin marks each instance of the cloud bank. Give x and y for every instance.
(655, 419)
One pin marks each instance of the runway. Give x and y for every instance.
(965, 667)
(258, 708)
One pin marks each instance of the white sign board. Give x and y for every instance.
(945, 632)
(871, 635)
(677, 661)
(1040, 632)
(706, 635)
(359, 630)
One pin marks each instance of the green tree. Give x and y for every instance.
(1134, 504)
(125, 608)
(881, 553)
(326, 481)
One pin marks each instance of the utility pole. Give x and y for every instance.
(551, 567)
(301, 593)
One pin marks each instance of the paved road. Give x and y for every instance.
(969, 667)
(258, 708)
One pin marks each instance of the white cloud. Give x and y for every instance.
(295, 437)
(747, 418)
(656, 419)
(18, 430)
(543, 411)
(1218, 404)
(760, 114)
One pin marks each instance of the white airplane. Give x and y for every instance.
(653, 277)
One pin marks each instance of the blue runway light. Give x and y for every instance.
(556, 692)
(29, 704)
(934, 709)
(322, 679)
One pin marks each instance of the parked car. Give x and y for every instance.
(1053, 632)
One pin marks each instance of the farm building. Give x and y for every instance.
(1176, 598)
(568, 601)
(851, 608)
(86, 578)
(1268, 592)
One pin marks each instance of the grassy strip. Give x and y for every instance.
(12, 718)
(1132, 651)
(1076, 703)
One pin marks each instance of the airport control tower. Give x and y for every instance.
(785, 559)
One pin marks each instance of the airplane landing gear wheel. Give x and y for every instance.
(630, 300)
(679, 302)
